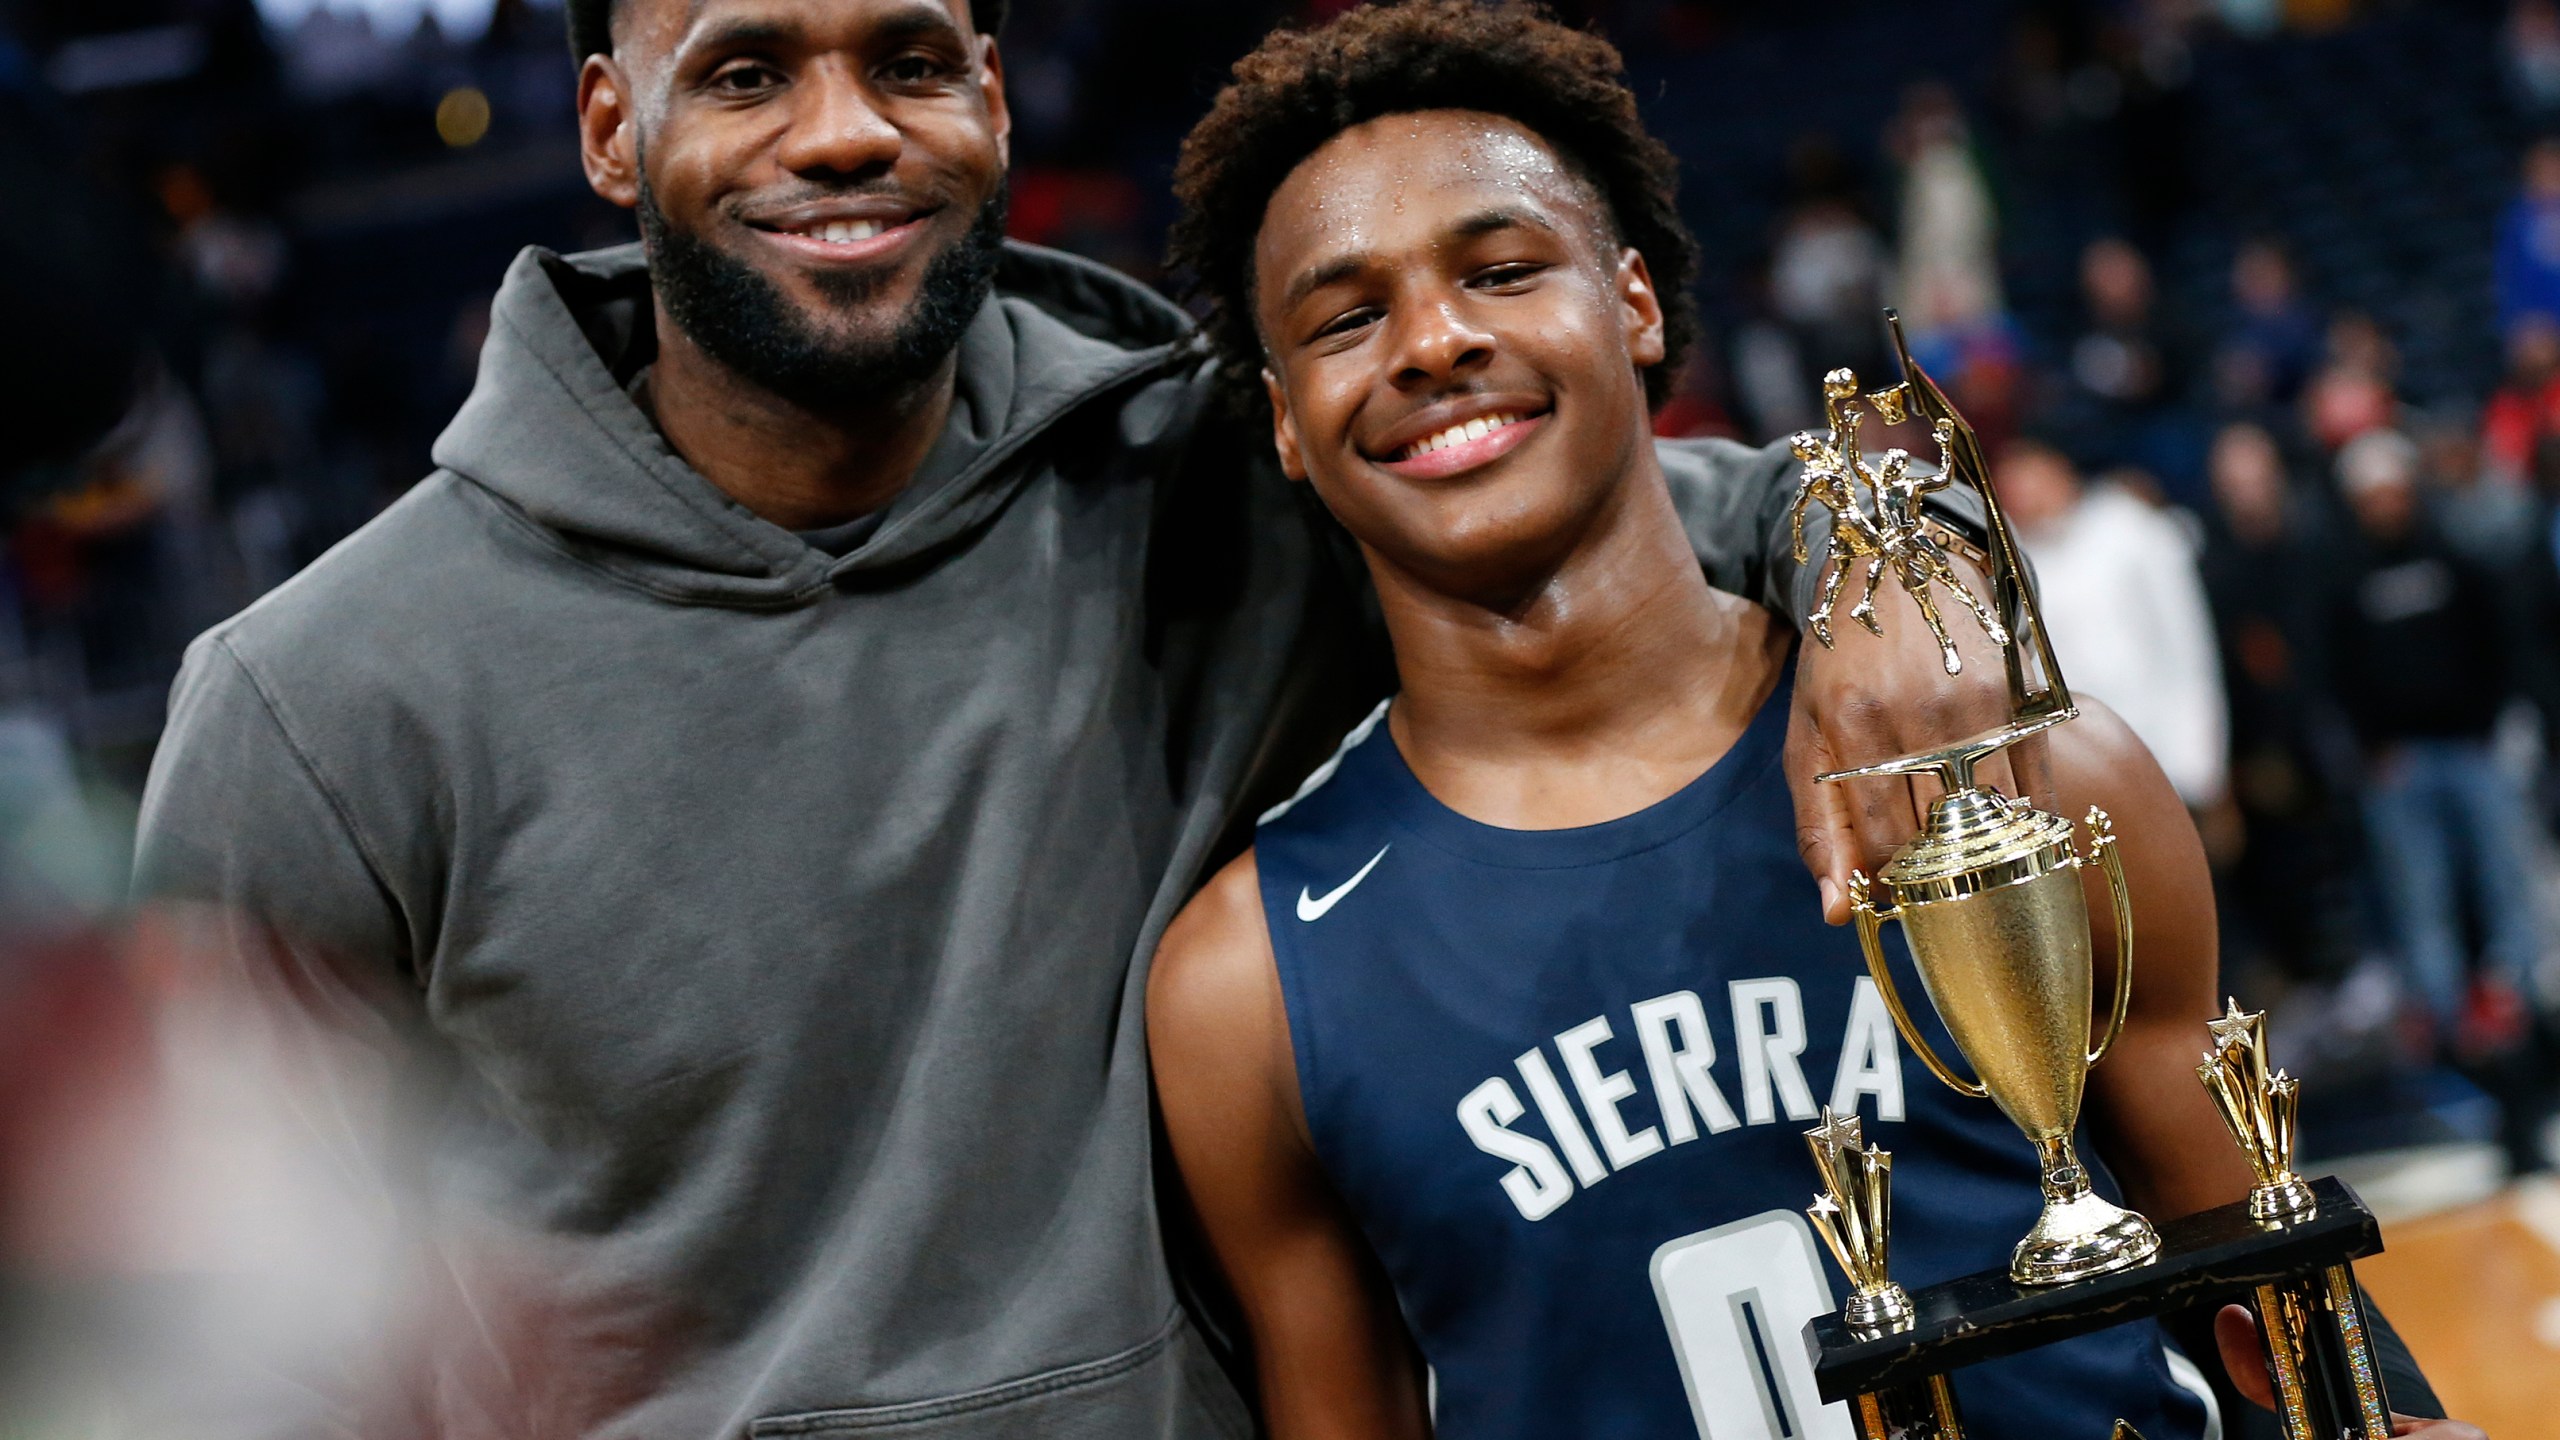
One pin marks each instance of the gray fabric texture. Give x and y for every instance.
(759, 932)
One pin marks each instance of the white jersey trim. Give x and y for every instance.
(1324, 772)
(2183, 1372)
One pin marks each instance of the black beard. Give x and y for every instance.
(741, 319)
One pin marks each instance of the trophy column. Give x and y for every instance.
(2318, 1358)
(1854, 1216)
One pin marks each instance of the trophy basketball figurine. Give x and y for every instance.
(1991, 906)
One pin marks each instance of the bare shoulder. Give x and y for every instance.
(1217, 949)
(1213, 996)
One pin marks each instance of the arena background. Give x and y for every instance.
(246, 252)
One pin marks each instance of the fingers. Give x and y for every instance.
(2235, 1334)
(1883, 816)
(1824, 835)
(2030, 765)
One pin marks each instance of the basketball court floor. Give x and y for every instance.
(2476, 1292)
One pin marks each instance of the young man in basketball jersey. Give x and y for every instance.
(1487, 1068)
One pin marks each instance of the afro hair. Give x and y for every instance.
(1301, 88)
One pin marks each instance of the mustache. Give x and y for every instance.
(768, 203)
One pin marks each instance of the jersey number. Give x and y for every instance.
(1736, 1299)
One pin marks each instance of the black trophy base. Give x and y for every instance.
(2295, 1271)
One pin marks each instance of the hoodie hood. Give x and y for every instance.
(551, 430)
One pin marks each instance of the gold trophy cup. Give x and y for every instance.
(1989, 892)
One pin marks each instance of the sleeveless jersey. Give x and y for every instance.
(1562, 1078)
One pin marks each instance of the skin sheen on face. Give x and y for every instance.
(832, 149)
(1455, 344)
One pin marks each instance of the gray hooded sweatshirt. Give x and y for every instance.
(757, 934)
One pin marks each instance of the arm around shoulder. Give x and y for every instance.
(2157, 1126)
(1330, 1347)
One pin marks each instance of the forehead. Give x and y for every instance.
(663, 24)
(1401, 181)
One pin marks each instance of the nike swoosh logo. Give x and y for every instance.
(1312, 907)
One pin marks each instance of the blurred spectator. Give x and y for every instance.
(2422, 672)
(1770, 379)
(2117, 582)
(2538, 617)
(2289, 892)
(1827, 276)
(2532, 54)
(1947, 279)
(2528, 265)
(2353, 392)
(2274, 340)
(1828, 267)
(1949, 276)
(2486, 512)
(2129, 369)
(2526, 407)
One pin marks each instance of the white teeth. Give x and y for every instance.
(845, 232)
(1459, 434)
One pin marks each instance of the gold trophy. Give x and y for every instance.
(1989, 896)
(2312, 1326)
(1854, 1214)
(1988, 892)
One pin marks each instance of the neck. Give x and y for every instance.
(1616, 680)
(799, 468)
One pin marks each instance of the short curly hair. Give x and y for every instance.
(591, 24)
(1301, 88)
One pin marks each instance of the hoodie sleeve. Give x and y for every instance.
(242, 838)
(1738, 505)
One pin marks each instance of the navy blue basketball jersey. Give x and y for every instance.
(1562, 1078)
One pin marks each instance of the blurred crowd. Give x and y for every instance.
(2271, 385)
(2257, 303)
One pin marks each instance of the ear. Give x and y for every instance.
(608, 135)
(991, 93)
(1640, 310)
(1284, 436)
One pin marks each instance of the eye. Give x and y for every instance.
(914, 69)
(745, 77)
(1505, 275)
(1346, 322)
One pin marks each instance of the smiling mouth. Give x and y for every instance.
(843, 237)
(841, 232)
(1460, 434)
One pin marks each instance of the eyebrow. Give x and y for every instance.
(1498, 218)
(743, 34)
(1491, 220)
(914, 22)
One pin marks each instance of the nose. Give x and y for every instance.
(1437, 340)
(836, 129)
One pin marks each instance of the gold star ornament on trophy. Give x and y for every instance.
(1854, 1215)
(2259, 1108)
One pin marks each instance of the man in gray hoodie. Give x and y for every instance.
(731, 792)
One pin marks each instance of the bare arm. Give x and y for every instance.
(2154, 1122)
(1330, 1348)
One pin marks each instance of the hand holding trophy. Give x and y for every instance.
(1990, 901)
